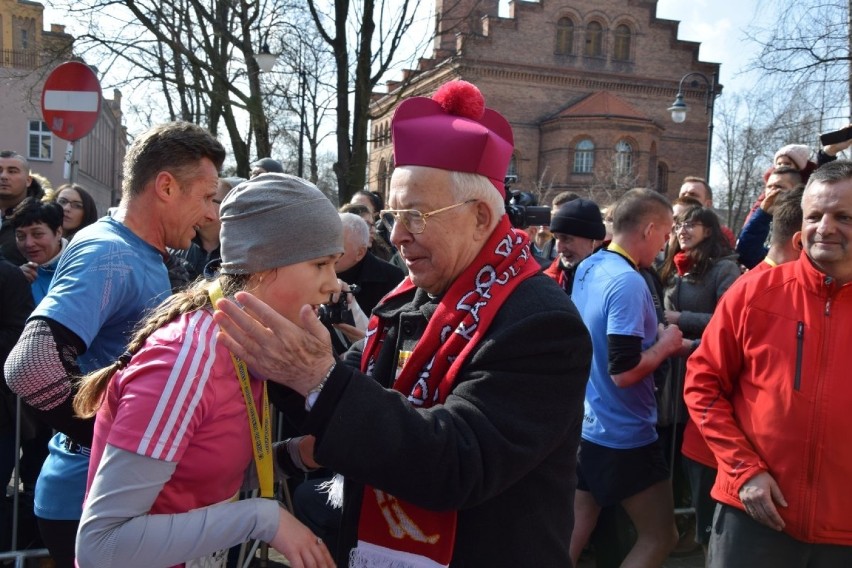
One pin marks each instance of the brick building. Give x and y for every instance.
(28, 54)
(585, 84)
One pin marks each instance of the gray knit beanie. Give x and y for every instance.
(275, 220)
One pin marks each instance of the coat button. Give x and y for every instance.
(407, 329)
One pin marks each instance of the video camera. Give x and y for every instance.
(337, 312)
(522, 208)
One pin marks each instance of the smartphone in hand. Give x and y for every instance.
(836, 136)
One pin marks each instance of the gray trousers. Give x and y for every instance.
(738, 541)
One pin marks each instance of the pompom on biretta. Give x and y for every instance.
(461, 99)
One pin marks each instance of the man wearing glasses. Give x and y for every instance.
(457, 431)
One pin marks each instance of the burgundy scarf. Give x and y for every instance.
(392, 532)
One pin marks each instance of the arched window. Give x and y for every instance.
(623, 158)
(662, 178)
(621, 46)
(383, 176)
(584, 157)
(594, 39)
(565, 36)
(513, 167)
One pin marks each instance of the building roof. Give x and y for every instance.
(603, 104)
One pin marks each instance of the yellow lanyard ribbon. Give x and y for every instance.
(261, 433)
(616, 248)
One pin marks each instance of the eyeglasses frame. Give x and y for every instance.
(62, 202)
(395, 213)
(688, 226)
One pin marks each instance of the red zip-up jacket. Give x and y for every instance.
(770, 389)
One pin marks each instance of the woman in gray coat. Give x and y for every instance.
(699, 267)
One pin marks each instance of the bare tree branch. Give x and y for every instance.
(808, 47)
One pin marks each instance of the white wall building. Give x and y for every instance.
(28, 55)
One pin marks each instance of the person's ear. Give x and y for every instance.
(484, 218)
(362, 251)
(797, 241)
(165, 185)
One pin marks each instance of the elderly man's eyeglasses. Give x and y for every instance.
(73, 204)
(686, 226)
(413, 220)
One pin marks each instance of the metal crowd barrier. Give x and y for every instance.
(19, 556)
(248, 553)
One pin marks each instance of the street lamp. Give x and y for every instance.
(298, 66)
(265, 60)
(257, 64)
(679, 108)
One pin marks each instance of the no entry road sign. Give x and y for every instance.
(71, 100)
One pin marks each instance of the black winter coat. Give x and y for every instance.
(501, 450)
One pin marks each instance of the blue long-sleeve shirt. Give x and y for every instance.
(750, 245)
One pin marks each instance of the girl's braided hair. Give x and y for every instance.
(92, 386)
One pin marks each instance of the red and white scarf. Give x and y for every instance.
(392, 532)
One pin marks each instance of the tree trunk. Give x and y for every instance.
(344, 145)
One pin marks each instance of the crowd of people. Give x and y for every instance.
(452, 390)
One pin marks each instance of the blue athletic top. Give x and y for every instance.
(613, 299)
(104, 282)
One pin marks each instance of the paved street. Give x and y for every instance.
(694, 560)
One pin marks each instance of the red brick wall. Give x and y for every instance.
(513, 61)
